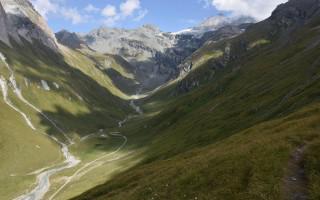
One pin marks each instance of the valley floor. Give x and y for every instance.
(241, 122)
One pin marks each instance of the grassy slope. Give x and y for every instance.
(80, 98)
(95, 65)
(248, 165)
(18, 144)
(231, 138)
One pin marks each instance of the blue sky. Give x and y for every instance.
(169, 15)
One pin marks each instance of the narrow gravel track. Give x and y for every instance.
(295, 182)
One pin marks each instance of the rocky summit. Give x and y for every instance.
(154, 53)
(20, 21)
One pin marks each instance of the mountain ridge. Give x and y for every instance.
(228, 128)
(21, 20)
(230, 111)
(155, 54)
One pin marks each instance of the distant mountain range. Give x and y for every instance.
(228, 109)
(155, 54)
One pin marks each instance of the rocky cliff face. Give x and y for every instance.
(286, 21)
(144, 47)
(22, 22)
(68, 39)
(295, 13)
(154, 54)
(215, 23)
(3, 30)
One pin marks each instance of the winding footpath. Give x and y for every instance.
(43, 182)
(295, 181)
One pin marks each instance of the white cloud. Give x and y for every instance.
(141, 15)
(259, 9)
(206, 3)
(111, 21)
(109, 11)
(125, 10)
(189, 21)
(44, 7)
(129, 6)
(73, 15)
(91, 9)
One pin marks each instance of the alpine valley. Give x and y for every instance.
(225, 110)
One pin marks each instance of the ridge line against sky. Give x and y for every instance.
(168, 15)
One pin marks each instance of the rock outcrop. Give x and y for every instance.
(295, 12)
(155, 55)
(215, 23)
(22, 22)
(68, 39)
(3, 24)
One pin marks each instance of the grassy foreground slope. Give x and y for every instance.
(71, 90)
(228, 130)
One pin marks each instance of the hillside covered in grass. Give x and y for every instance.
(235, 113)
(71, 89)
(243, 124)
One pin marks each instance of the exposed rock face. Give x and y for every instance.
(22, 21)
(223, 33)
(212, 37)
(3, 30)
(155, 55)
(285, 21)
(69, 39)
(295, 12)
(145, 48)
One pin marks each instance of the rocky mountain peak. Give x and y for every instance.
(295, 12)
(69, 39)
(154, 54)
(21, 20)
(3, 30)
(17, 7)
(214, 23)
(151, 27)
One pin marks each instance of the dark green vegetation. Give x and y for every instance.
(228, 129)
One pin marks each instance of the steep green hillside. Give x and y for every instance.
(231, 128)
(70, 90)
(111, 71)
(249, 165)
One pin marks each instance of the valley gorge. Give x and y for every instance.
(225, 109)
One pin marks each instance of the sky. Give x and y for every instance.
(169, 15)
